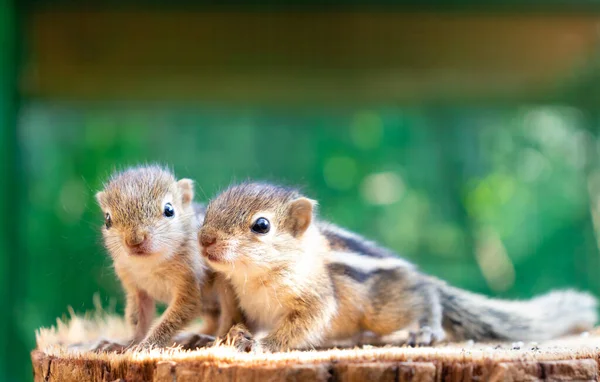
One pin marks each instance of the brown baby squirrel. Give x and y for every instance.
(307, 282)
(150, 230)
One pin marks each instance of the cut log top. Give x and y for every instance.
(571, 358)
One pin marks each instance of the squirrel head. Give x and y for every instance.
(256, 225)
(146, 212)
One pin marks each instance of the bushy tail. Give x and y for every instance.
(471, 316)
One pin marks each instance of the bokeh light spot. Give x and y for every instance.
(382, 188)
(492, 258)
(532, 165)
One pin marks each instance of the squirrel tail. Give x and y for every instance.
(468, 315)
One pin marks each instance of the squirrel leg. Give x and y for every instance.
(139, 312)
(230, 313)
(429, 322)
(300, 328)
(181, 311)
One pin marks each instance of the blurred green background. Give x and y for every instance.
(464, 137)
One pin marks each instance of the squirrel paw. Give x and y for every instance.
(241, 338)
(191, 341)
(106, 346)
(425, 336)
(144, 345)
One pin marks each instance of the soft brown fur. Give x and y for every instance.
(169, 268)
(307, 282)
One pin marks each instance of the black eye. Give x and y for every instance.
(169, 210)
(107, 221)
(261, 225)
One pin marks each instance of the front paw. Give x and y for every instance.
(145, 345)
(270, 345)
(194, 341)
(425, 336)
(241, 338)
(107, 346)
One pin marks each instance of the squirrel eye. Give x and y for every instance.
(261, 225)
(169, 211)
(107, 221)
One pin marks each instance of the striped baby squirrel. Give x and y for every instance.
(307, 282)
(150, 228)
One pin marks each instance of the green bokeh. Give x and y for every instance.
(425, 191)
(447, 184)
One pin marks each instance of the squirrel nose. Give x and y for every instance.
(207, 239)
(136, 239)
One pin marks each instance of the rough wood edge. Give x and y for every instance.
(49, 368)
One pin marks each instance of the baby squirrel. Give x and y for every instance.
(307, 282)
(150, 230)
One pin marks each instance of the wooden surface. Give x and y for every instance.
(63, 354)
(49, 368)
(305, 57)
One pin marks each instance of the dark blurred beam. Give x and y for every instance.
(512, 6)
(307, 57)
(9, 214)
(583, 89)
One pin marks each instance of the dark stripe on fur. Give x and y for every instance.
(356, 244)
(362, 276)
(353, 273)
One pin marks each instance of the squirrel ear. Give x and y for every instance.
(300, 215)
(100, 197)
(186, 188)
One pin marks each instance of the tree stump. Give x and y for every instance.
(57, 359)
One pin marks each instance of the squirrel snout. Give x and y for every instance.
(207, 239)
(136, 239)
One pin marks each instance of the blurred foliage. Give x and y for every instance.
(495, 201)
(501, 201)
